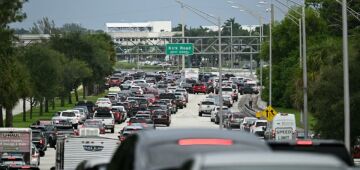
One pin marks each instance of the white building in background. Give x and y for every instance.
(124, 33)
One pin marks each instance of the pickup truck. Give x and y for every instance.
(67, 115)
(107, 118)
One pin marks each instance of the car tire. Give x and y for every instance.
(168, 124)
(212, 120)
(112, 130)
(200, 114)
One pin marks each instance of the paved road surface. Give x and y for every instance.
(185, 118)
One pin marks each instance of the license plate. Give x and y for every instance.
(159, 116)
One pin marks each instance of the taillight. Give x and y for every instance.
(25, 167)
(129, 123)
(304, 142)
(41, 141)
(187, 142)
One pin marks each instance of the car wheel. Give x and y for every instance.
(112, 130)
(212, 120)
(200, 114)
(168, 124)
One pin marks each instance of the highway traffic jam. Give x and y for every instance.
(166, 120)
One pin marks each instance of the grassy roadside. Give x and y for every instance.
(18, 119)
(311, 119)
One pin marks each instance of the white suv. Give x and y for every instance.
(206, 106)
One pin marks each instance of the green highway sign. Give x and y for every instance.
(180, 49)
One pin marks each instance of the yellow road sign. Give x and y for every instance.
(258, 114)
(269, 113)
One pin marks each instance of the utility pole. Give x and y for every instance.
(251, 56)
(300, 43)
(261, 61)
(183, 35)
(231, 45)
(306, 126)
(220, 76)
(346, 76)
(270, 55)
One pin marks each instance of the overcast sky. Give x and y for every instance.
(94, 14)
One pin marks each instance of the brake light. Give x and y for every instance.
(11, 158)
(25, 167)
(41, 141)
(129, 123)
(187, 142)
(304, 142)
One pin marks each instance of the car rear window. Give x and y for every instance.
(333, 149)
(158, 112)
(103, 114)
(167, 155)
(227, 89)
(207, 103)
(68, 114)
(261, 124)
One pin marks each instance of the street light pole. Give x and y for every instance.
(251, 57)
(300, 42)
(306, 126)
(346, 76)
(270, 54)
(261, 61)
(220, 75)
(231, 46)
(183, 34)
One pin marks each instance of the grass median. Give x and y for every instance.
(18, 119)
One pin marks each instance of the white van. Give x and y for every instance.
(283, 127)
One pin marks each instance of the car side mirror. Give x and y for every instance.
(42, 153)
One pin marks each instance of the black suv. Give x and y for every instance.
(39, 140)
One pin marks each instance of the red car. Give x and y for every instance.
(200, 88)
(119, 113)
(161, 117)
(115, 81)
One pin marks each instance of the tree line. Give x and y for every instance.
(54, 68)
(325, 66)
